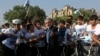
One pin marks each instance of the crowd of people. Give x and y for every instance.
(62, 38)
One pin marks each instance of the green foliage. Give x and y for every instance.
(19, 12)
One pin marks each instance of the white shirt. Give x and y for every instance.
(89, 28)
(90, 31)
(69, 31)
(18, 35)
(97, 30)
(6, 31)
(80, 29)
(10, 41)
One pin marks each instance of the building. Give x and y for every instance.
(65, 11)
(68, 10)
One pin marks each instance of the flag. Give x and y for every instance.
(76, 11)
(27, 3)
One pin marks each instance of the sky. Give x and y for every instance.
(48, 5)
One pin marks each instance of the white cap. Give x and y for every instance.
(16, 21)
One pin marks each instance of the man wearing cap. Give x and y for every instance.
(18, 33)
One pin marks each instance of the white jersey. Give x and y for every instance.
(90, 30)
(97, 30)
(80, 29)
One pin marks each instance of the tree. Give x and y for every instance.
(83, 12)
(19, 12)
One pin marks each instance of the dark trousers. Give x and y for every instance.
(60, 51)
(8, 52)
(32, 51)
(42, 51)
(69, 50)
(95, 51)
(52, 51)
(80, 48)
(1, 50)
(21, 50)
(98, 50)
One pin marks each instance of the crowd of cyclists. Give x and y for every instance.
(62, 38)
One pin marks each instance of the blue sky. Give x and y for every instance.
(48, 5)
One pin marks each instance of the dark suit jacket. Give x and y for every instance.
(53, 41)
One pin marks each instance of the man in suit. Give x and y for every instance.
(51, 38)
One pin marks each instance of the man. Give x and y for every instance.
(12, 34)
(80, 29)
(19, 37)
(40, 34)
(90, 29)
(3, 36)
(69, 46)
(31, 41)
(51, 38)
(61, 36)
(70, 19)
(96, 39)
(23, 27)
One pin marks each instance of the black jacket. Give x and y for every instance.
(53, 41)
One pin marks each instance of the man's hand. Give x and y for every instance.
(1, 33)
(32, 39)
(51, 33)
(42, 35)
